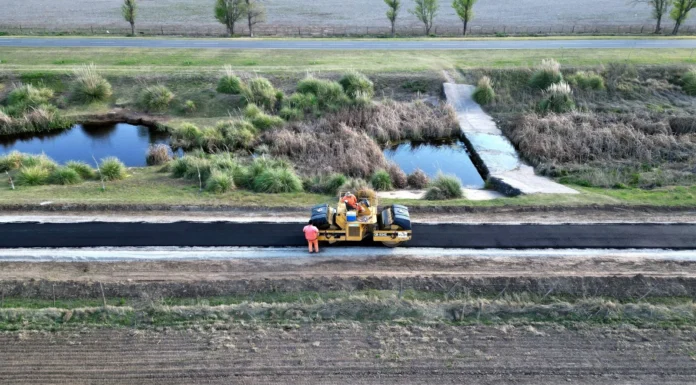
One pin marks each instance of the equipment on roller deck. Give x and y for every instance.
(390, 225)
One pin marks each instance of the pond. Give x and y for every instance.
(448, 157)
(127, 142)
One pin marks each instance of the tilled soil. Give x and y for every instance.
(350, 353)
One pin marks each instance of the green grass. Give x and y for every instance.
(148, 186)
(196, 60)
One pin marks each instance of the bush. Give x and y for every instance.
(357, 85)
(445, 187)
(286, 113)
(484, 94)
(260, 91)
(329, 95)
(557, 98)
(587, 81)
(65, 176)
(381, 180)
(397, 175)
(418, 179)
(82, 169)
(155, 98)
(112, 169)
(89, 86)
(158, 154)
(27, 96)
(32, 176)
(278, 180)
(229, 83)
(354, 184)
(548, 73)
(689, 82)
(219, 182)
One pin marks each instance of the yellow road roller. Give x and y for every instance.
(357, 217)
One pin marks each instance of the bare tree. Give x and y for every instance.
(129, 10)
(425, 11)
(659, 8)
(464, 9)
(256, 13)
(229, 12)
(680, 12)
(392, 13)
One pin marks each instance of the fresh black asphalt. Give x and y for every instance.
(344, 44)
(96, 234)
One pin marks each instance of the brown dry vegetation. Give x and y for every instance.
(639, 131)
(348, 141)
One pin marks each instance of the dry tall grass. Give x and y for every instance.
(585, 137)
(343, 142)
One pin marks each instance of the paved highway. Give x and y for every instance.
(385, 44)
(95, 234)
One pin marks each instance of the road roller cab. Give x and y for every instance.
(390, 225)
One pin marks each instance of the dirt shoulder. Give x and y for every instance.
(550, 215)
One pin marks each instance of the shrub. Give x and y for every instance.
(158, 154)
(286, 113)
(445, 187)
(354, 184)
(484, 94)
(587, 81)
(112, 169)
(329, 95)
(65, 176)
(548, 73)
(357, 85)
(260, 91)
(279, 180)
(557, 98)
(32, 176)
(381, 180)
(155, 98)
(689, 82)
(418, 179)
(229, 83)
(89, 86)
(397, 175)
(27, 96)
(190, 106)
(82, 169)
(219, 182)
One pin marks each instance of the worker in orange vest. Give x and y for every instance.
(350, 200)
(311, 234)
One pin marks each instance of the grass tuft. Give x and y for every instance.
(484, 94)
(260, 91)
(32, 176)
(557, 98)
(27, 96)
(155, 98)
(219, 182)
(230, 83)
(89, 86)
(84, 170)
(381, 180)
(158, 154)
(277, 180)
(65, 176)
(357, 85)
(112, 169)
(689, 82)
(587, 81)
(418, 179)
(445, 187)
(546, 74)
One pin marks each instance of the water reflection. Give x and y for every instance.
(448, 157)
(83, 142)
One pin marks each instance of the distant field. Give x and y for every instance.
(198, 13)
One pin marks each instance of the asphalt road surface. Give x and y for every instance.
(95, 234)
(346, 44)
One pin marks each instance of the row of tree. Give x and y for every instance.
(231, 12)
(678, 11)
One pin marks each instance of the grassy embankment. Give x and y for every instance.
(408, 307)
(174, 69)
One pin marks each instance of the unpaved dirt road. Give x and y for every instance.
(350, 353)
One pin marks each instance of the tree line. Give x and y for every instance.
(232, 12)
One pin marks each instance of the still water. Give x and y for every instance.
(127, 142)
(446, 157)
